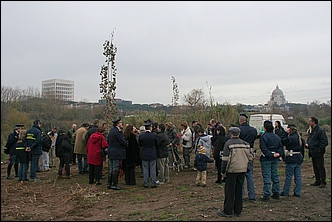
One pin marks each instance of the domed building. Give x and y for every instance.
(277, 97)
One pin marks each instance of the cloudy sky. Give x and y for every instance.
(237, 51)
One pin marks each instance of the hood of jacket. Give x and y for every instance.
(96, 137)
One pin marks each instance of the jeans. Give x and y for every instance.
(34, 166)
(250, 182)
(293, 169)
(23, 171)
(82, 165)
(149, 166)
(270, 175)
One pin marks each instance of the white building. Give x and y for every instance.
(59, 89)
(277, 97)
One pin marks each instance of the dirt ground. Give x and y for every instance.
(73, 199)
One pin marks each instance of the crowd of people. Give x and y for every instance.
(154, 148)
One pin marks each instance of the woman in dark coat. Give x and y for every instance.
(132, 155)
(218, 148)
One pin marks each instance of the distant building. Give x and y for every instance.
(277, 97)
(58, 89)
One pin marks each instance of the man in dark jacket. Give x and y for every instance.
(148, 142)
(10, 146)
(317, 142)
(162, 155)
(117, 145)
(248, 134)
(34, 147)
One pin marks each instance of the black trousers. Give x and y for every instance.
(319, 169)
(233, 193)
(130, 175)
(94, 173)
(64, 162)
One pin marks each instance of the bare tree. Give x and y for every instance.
(108, 84)
(195, 99)
(175, 98)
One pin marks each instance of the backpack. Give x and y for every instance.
(46, 143)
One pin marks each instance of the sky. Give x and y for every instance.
(235, 51)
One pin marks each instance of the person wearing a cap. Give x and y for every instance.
(10, 149)
(235, 160)
(34, 147)
(294, 145)
(271, 149)
(316, 143)
(80, 148)
(200, 162)
(248, 134)
(148, 142)
(117, 145)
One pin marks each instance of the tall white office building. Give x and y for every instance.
(59, 89)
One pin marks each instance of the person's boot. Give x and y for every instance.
(16, 169)
(9, 168)
(115, 178)
(109, 181)
(219, 179)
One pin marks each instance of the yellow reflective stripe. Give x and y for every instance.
(20, 148)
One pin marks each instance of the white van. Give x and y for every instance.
(257, 121)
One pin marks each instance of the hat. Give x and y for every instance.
(291, 126)
(201, 149)
(116, 120)
(95, 121)
(147, 124)
(235, 131)
(231, 125)
(18, 126)
(148, 120)
(245, 115)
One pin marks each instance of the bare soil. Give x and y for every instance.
(73, 199)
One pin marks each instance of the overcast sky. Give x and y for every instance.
(237, 51)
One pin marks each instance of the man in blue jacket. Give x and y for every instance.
(248, 134)
(34, 147)
(117, 145)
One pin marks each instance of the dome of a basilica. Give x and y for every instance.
(277, 91)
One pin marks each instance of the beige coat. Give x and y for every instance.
(79, 137)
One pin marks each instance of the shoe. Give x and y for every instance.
(102, 177)
(25, 179)
(186, 166)
(283, 194)
(238, 215)
(81, 172)
(159, 182)
(153, 186)
(204, 185)
(218, 181)
(66, 177)
(275, 196)
(116, 187)
(38, 171)
(296, 195)
(197, 184)
(98, 183)
(322, 185)
(315, 184)
(264, 198)
(16, 175)
(9, 177)
(195, 169)
(85, 171)
(252, 200)
(222, 214)
(145, 186)
(34, 179)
